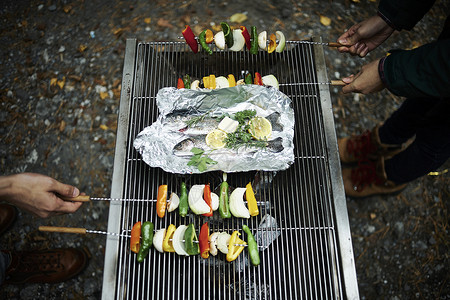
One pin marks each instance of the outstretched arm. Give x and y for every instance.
(38, 194)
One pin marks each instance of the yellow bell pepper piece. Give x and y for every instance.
(212, 82)
(231, 80)
(233, 249)
(251, 200)
(272, 43)
(206, 82)
(168, 245)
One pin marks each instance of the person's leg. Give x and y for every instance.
(5, 260)
(404, 122)
(430, 149)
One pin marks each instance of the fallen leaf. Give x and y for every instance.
(103, 95)
(238, 18)
(147, 20)
(62, 126)
(67, 8)
(164, 23)
(217, 27)
(373, 216)
(104, 127)
(82, 48)
(61, 83)
(355, 1)
(53, 81)
(325, 20)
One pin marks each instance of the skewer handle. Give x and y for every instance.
(63, 229)
(338, 82)
(80, 198)
(334, 44)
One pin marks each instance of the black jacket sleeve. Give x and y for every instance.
(421, 72)
(404, 14)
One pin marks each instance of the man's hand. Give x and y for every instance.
(366, 81)
(363, 37)
(38, 194)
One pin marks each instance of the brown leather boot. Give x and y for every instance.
(45, 266)
(367, 146)
(8, 214)
(367, 179)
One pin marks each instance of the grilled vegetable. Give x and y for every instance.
(214, 201)
(161, 200)
(219, 39)
(238, 40)
(272, 43)
(204, 240)
(212, 81)
(209, 36)
(224, 209)
(208, 200)
(254, 41)
(189, 37)
(202, 40)
(258, 79)
(262, 40)
(237, 206)
(178, 240)
(281, 41)
(190, 237)
(223, 240)
(180, 83)
(251, 200)
(231, 80)
(246, 36)
(196, 201)
(221, 82)
(248, 78)
(187, 81)
(168, 238)
(270, 80)
(213, 243)
(147, 240)
(195, 84)
(174, 202)
(135, 240)
(253, 251)
(234, 246)
(228, 34)
(158, 239)
(184, 206)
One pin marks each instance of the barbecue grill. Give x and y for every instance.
(309, 251)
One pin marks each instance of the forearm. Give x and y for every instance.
(404, 14)
(421, 72)
(6, 187)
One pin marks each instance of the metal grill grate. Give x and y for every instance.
(312, 257)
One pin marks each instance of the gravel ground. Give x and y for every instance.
(60, 87)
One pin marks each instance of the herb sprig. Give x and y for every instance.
(241, 137)
(200, 160)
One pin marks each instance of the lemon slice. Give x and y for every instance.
(260, 128)
(216, 139)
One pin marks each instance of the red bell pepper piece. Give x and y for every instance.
(189, 37)
(135, 240)
(203, 239)
(246, 37)
(180, 84)
(208, 200)
(258, 79)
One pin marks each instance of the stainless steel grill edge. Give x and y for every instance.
(313, 256)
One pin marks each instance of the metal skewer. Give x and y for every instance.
(329, 44)
(79, 230)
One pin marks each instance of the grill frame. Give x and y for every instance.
(346, 283)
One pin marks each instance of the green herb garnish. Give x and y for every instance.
(200, 160)
(241, 137)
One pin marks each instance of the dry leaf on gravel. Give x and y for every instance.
(325, 20)
(238, 18)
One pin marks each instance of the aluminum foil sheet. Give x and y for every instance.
(159, 144)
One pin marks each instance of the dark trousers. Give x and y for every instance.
(428, 119)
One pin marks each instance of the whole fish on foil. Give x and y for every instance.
(187, 116)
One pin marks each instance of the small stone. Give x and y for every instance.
(52, 7)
